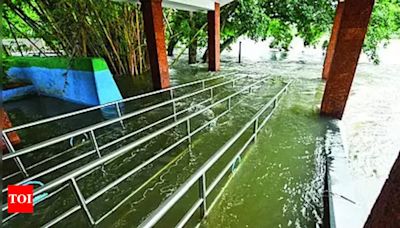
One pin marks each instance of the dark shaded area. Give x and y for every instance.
(386, 210)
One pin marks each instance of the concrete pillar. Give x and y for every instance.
(214, 39)
(386, 211)
(352, 29)
(155, 38)
(332, 42)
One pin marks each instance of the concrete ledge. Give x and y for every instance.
(18, 92)
(85, 81)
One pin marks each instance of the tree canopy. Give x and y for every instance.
(114, 30)
(282, 20)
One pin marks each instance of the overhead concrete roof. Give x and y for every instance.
(194, 5)
(188, 5)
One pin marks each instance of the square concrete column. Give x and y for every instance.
(155, 38)
(352, 29)
(214, 39)
(332, 42)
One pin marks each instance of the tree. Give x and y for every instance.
(283, 20)
(384, 25)
(83, 28)
(114, 31)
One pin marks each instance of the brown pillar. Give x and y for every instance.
(155, 38)
(214, 39)
(351, 34)
(386, 211)
(5, 124)
(332, 42)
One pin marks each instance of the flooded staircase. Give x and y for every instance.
(93, 174)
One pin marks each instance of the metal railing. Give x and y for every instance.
(90, 130)
(70, 179)
(200, 175)
(115, 103)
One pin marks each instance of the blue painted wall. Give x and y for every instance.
(84, 87)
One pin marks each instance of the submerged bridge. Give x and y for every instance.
(69, 162)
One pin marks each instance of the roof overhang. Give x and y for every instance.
(188, 5)
(194, 5)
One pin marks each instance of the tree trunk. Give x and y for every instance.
(193, 42)
(171, 45)
(193, 52)
(224, 45)
(205, 56)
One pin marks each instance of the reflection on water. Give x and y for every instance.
(279, 182)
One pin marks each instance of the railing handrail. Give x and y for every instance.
(24, 170)
(113, 103)
(73, 176)
(102, 160)
(96, 126)
(75, 159)
(102, 147)
(164, 207)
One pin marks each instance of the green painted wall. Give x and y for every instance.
(82, 64)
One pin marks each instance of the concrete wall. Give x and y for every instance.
(17, 93)
(85, 81)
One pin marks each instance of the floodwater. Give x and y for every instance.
(279, 182)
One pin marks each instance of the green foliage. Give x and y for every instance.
(259, 20)
(11, 17)
(282, 34)
(114, 31)
(283, 20)
(384, 24)
(308, 19)
(83, 28)
(4, 79)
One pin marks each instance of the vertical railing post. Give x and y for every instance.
(17, 160)
(96, 146)
(202, 195)
(203, 84)
(189, 131)
(120, 114)
(240, 51)
(229, 103)
(255, 130)
(171, 93)
(81, 201)
(211, 94)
